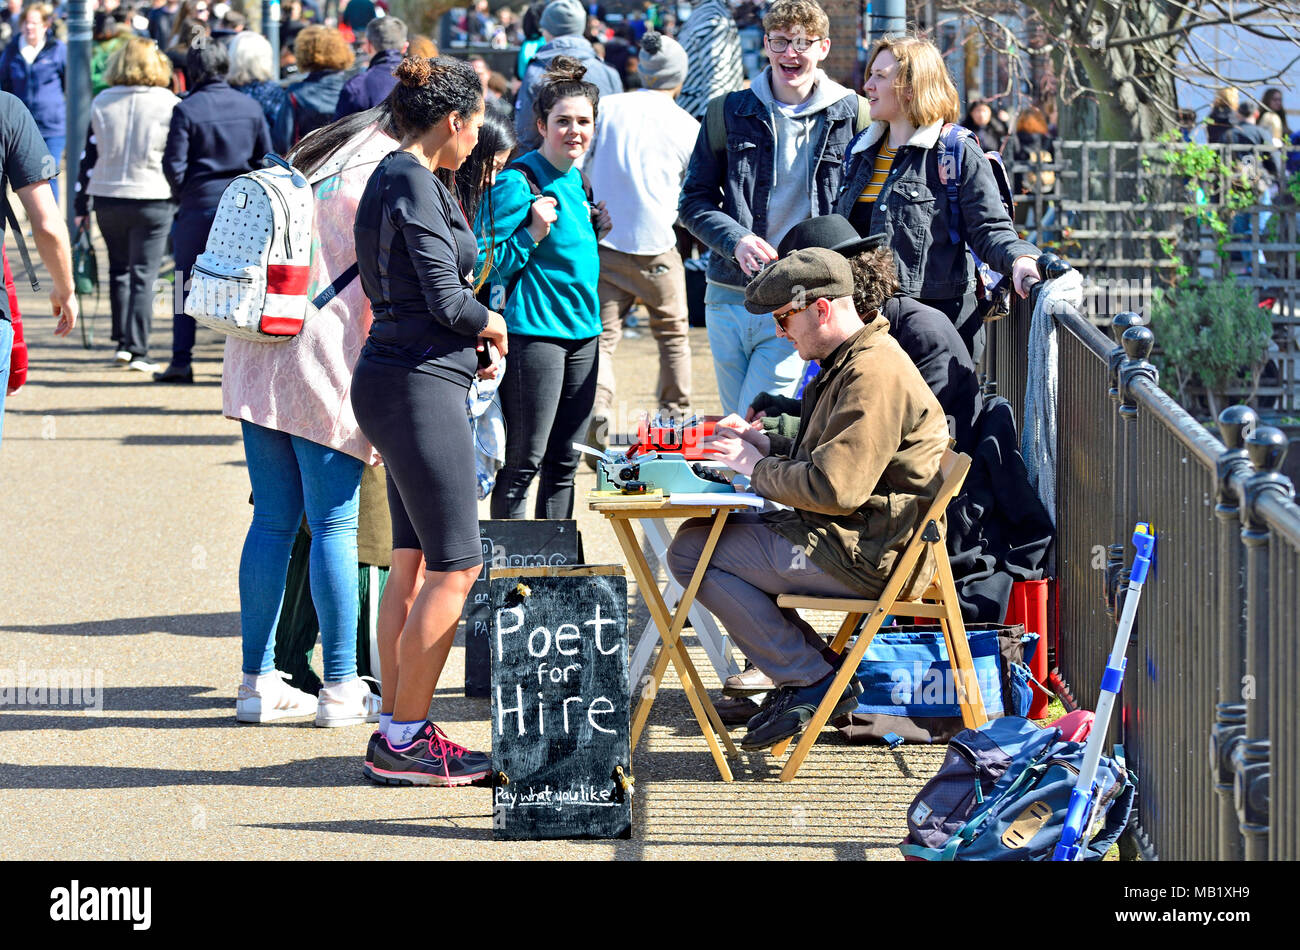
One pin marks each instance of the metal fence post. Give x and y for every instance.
(1121, 525)
(1137, 341)
(1267, 449)
(1236, 424)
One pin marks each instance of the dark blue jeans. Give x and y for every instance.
(546, 398)
(55, 144)
(6, 350)
(189, 238)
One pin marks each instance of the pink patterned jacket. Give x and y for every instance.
(303, 387)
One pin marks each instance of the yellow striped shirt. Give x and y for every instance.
(884, 159)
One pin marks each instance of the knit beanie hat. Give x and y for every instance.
(564, 18)
(662, 63)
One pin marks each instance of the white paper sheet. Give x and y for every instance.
(717, 498)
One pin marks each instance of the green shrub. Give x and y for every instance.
(1212, 335)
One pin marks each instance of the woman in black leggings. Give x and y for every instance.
(546, 246)
(415, 250)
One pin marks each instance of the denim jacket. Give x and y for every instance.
(912, 212)
(722, 203)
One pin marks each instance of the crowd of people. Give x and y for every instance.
(499, 249)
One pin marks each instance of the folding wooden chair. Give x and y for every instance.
(938, 601)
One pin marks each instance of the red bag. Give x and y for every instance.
(18, 358)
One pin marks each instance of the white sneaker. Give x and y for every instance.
(142, 365)
(348, 704)
(122, 356)
(274, 700)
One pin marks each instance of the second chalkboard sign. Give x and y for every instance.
(561, 703)
(509, 544)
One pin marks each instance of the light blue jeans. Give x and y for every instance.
(748, 357)
(6, 347)
(289, 475)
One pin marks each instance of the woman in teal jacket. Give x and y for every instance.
(540, 252)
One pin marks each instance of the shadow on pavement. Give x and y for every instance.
(336, 771)
(80, 722)
(185, 625)
(150, 411)
(393, 827)
(147, 699)
(181, 439)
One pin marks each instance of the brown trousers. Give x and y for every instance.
(659, 281)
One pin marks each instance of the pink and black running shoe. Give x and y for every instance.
(432, 759)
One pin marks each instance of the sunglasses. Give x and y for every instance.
(784, 316)
(778, 44)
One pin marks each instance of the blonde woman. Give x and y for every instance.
(892, 186)
(122, 173)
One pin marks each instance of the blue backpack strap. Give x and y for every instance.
(952, 138)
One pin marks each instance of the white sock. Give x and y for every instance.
(403, 733)
(385, 720)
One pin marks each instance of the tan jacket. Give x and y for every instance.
(865, 466)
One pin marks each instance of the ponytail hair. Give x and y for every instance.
(429, 90)
(563, 80)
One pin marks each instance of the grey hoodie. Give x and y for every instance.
(604, 78)
(793, 195)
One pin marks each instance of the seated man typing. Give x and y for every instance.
(861, 473)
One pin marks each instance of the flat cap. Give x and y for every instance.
(802, 277)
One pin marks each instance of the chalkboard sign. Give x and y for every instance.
(561, 702)
(509, 544)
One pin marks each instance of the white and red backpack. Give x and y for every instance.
(251, 280)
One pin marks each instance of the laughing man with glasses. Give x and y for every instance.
(774, 162)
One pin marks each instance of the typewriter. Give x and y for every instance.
(668, 457)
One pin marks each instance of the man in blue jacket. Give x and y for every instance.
(563, 23)
(777, 163)
(34, 68)
(386, 44)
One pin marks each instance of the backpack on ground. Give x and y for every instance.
(488, 294)
(1002, 794)
(251, 280)
(991, 287)
(715, 121)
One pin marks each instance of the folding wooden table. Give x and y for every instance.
(621, 512)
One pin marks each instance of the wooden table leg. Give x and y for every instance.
(670, 629)
(683, 610)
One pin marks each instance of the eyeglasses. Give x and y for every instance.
(778, 44)
(784, 316)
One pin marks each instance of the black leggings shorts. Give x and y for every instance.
(418, 423)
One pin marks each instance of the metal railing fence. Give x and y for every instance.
(1210, 722)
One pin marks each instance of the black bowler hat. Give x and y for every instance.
(831, 231)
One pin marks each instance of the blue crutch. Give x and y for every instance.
(1079, 813)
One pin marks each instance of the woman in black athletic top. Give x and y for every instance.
(416, 254)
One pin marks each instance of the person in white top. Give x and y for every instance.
(121, 170)
(636, 164)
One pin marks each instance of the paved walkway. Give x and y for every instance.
(125, 507)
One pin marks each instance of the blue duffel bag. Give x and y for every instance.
(1002, 794)
(908, 691)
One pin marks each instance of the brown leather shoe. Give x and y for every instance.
(747, 683)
